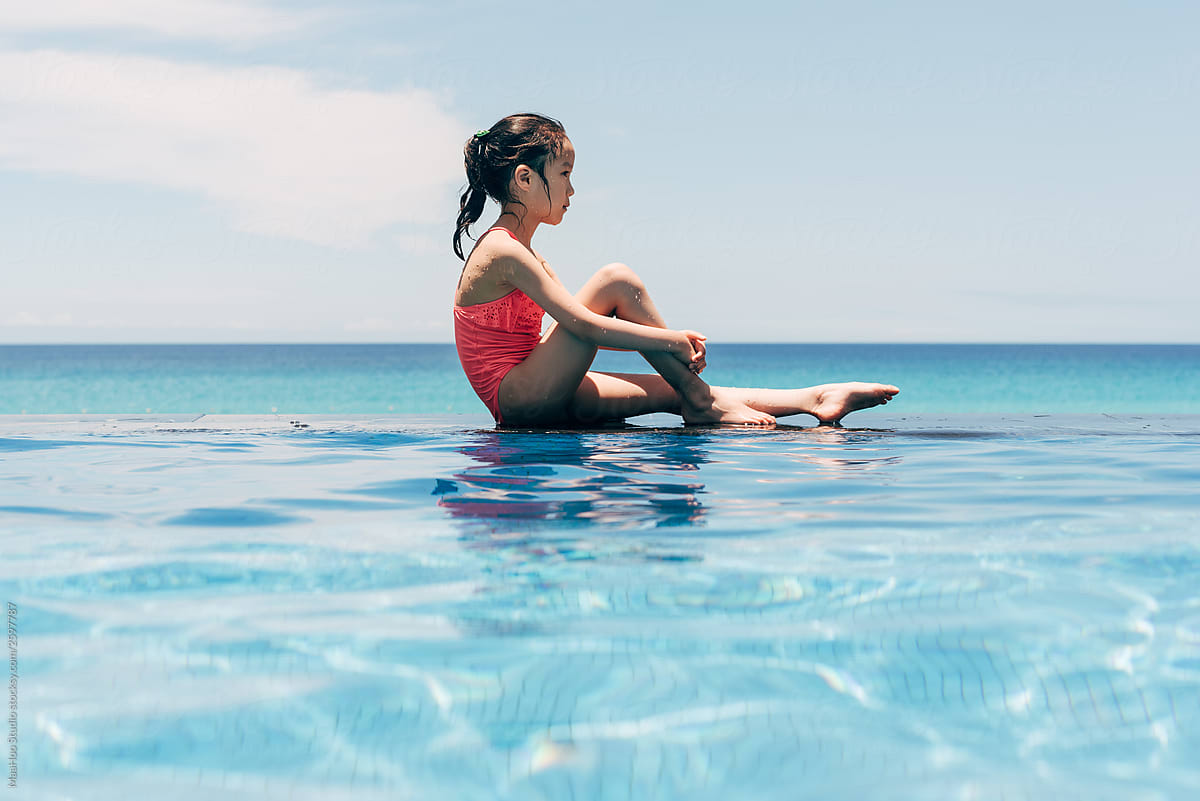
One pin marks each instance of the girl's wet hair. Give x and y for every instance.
(493, 155)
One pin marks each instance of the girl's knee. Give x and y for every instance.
(618, 273)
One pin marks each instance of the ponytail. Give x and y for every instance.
(470, 210)
(470, 205)
(492, 155)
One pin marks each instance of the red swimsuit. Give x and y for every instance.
(494, 337)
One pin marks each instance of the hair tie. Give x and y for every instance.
(481, 134)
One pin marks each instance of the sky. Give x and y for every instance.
(268, 171)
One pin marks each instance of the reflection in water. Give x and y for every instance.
(630, 478)
(544, 511)
(585, 477)
(529, 504)
(822, 442)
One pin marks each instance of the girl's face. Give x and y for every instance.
(558, 186)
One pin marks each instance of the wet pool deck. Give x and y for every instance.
(1007, 425)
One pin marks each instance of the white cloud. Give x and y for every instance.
(224, 20)
(285, 155)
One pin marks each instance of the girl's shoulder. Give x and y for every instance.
(499, 239)
(511, 235)
(500, 247)
(487, 272)
(491, 245)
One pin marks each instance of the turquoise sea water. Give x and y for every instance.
(943, 603)
(427, 379)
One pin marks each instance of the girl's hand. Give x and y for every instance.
(695, 360)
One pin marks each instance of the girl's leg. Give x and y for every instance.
(553, 383)
(613, 396)
(829, 403)
(631, 395)
(618, 291)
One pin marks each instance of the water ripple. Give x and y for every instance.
(895, 612)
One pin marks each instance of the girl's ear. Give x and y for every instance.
(523, 176)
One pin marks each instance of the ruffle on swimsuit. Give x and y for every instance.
(494, 337)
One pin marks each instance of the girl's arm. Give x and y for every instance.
(521, 269)
(558, 281)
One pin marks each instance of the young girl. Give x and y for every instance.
(524, 163)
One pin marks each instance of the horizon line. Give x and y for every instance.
(312, 343)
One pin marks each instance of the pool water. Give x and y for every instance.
(913, 607)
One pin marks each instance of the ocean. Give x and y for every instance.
(427, 379)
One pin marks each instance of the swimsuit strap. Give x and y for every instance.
(500, 228)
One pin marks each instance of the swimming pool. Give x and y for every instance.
(973, 606)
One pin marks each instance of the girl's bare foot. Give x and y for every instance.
(723, 409)
(835, 401)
